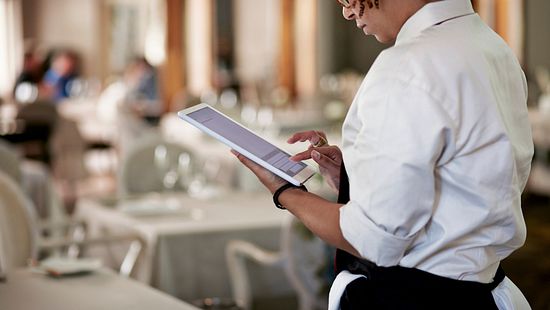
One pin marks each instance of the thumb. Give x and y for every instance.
(320, 158)
(315, 155)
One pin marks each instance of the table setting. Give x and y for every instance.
(184, 252)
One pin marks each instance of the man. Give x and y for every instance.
(58, 79)
(437, 148)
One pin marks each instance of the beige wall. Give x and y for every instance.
(78, 24)
(341, 45)
(73, 24)
(538, 34)
(257, 43)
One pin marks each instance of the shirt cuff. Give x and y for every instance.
(369, 239)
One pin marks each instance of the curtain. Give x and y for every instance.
(155, 36)
(11, 44)
(306, 48)
(198, 35)
(487, 10)
(516, 27)
(506, 18)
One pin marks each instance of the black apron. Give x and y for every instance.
(399, 287)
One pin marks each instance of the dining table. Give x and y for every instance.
(186, 236)
(101, 289)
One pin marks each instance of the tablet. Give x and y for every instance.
(244, 141)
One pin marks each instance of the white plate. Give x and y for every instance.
(150, 207)
(60, 266)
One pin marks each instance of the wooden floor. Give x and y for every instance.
(529, 267)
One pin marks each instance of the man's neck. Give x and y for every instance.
(402, 10)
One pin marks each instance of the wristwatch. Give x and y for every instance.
(283, 188)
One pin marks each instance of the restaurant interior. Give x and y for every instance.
(109, 200)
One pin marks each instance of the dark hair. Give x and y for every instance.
(376, 3)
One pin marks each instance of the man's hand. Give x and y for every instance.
(328, 157)
(268, 179)
(316, 138)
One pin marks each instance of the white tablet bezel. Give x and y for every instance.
(298, 179)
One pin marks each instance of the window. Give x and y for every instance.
(11, 41)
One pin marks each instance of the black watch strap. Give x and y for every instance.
(283, 188)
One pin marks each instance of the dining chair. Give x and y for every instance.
(302, 256)
(39, 119)
(68, 148)
(155, 165)
(35, 179)
(21, 239)
(10, 162)
(16, 224)
(3, 265)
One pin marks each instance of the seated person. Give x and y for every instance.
(63, 71)
(30, 76)
(142, 94)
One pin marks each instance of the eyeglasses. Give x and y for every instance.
(345, 3)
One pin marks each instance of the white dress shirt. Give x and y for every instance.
(438, 148)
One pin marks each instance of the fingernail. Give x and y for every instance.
(315, 155)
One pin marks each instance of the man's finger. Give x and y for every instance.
(325, 150)
(322, 134)
(247, 162)
(322, 159)
(301, 156)
(312, 136)
(320, 141)
(300, 136)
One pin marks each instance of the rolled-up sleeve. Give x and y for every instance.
(403, 132)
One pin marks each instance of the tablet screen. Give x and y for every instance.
(223, 126)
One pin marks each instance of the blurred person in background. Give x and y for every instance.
(436, 151)
(133, 102)
(142, 90)
(30, 75)
(64, 70)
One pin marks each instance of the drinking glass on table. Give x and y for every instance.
(204, 179)
(174, 168)
(184, 169)
(175, 172)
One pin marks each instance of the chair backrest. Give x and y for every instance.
(147, 166)
(3, 262)
(39, 119)
(67, 147)
(18, 229)
(10, 161)
(308, 259)
(40, 113)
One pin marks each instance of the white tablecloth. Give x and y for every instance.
(91, 125)
(99, 290)
(185, 254)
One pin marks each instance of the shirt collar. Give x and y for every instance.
(431, 14)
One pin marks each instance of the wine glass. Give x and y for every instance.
(167, 172)
(184, 169)
(203, 179)
(249, 114)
